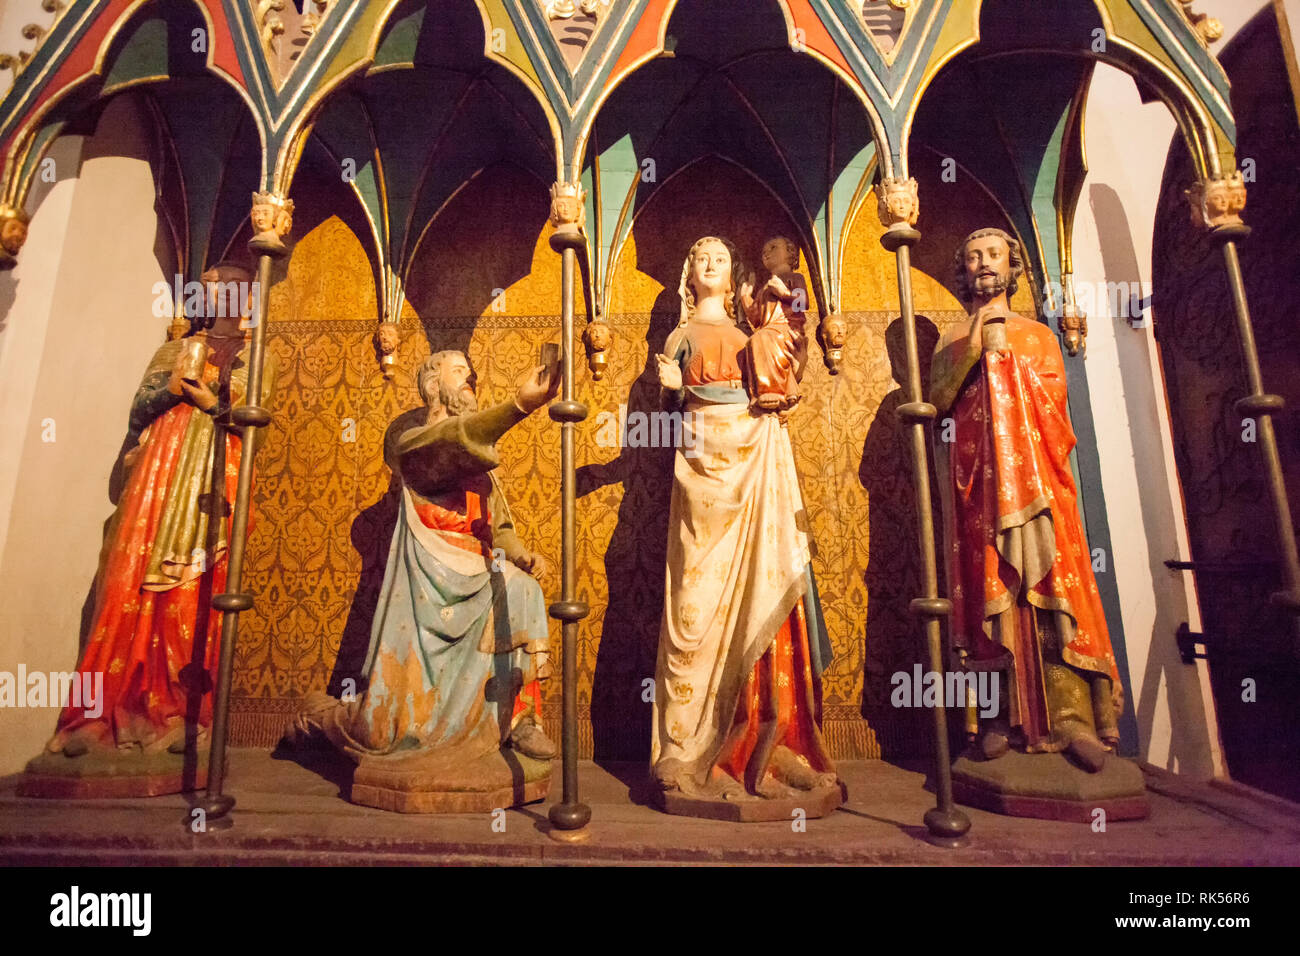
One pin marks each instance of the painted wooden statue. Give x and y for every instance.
(1025, 602)
(154, 636)
(737, 707)
(450, 719)
(775, 355)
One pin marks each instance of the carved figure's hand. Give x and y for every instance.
(534, 564)
(779, 289)
(536, 388)
(200, 396)
(670, 373)
(747, 291)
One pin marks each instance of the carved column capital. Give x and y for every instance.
(272, 218)
(832, 332)
(1217, 201)
(13, 233)
(568, 206)
(1074, 328)
(898, 203)
(386, 340)
(596, 339)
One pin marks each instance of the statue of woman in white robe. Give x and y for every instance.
(737, 706)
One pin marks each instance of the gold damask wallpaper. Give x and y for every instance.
(325, 504)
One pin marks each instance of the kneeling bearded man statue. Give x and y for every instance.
(450, 718)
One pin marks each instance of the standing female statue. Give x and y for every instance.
(737, 705)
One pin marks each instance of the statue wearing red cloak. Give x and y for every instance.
(1024, 597)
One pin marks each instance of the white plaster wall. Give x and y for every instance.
(1127, 143)
(77, 335)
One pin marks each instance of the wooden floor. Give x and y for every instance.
(288, 813)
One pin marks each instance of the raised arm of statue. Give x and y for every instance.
(438, 456)
(954, 357)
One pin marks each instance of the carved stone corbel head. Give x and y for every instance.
(596, 339)
(832, 333)
(13, 233)
(568, 206)
(1218, 201)
(386, 339)
(1074, 328)
(898, 203)
(272, 218)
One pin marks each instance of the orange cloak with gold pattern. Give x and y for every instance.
(1016, 538)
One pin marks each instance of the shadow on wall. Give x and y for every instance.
(893, 636)
(1188, 745)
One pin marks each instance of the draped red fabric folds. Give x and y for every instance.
(145, 641)
(1019, 538)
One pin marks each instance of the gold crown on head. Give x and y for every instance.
(271, 199)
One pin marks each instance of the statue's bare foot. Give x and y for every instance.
(1088, 751)
(994, 744)
(770, 788)
(527, 738)
(770, 402)
(726, 787)
(795, 771)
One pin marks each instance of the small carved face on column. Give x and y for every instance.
(284, 219)
(596, 336)
(1217, 202)
(272, 219)
(1236, 194)
(263, 218)
(568, 205)
(387, 337)
(13, 229)
(898, 203)
(835, 331)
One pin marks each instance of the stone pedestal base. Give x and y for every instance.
(423, 783)
(1050, 787)
(814, 803)
(113, 774)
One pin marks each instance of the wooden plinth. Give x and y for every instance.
(814, 804)
(113, 775)
(430, 783)
(1050, 787)
(449, 801)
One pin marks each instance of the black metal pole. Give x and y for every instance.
(570, 816)
(1262, 406)
(249, 417)
(946, 824)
